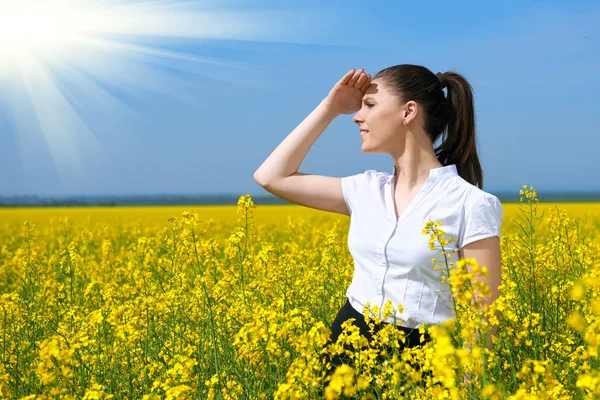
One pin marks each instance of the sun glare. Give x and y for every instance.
(59, 60)
(67, 66)
(26, 27)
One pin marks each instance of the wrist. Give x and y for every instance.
(328, 109)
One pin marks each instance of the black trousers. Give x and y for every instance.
(412, 335)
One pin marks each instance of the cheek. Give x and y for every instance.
(383, 122)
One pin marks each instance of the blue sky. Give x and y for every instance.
(192, 99)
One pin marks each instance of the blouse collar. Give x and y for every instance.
(447, 171)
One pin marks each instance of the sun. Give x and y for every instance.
(34, 26)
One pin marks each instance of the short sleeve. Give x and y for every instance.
(353, 187)
(348, 184)
(482, 218)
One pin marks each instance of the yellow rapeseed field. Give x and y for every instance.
(219, 303)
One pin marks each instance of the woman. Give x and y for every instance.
(402, 112)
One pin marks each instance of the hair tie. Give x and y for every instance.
(442, 79)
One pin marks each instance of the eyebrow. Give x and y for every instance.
(368, 97)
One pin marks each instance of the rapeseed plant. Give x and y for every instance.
(177, 303)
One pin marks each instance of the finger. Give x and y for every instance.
(367, 83)
(361, 81)
(355, 77)
(346, 77)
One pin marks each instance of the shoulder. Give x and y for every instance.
(357, 189)
(482, 215)
(369, 177)
(475, 195)
(478, 200)
(377, 176)
(374, 174)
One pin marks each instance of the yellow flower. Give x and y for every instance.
(576, 321)
(577, 292)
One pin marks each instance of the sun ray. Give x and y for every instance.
(78, 58)
(88, 94)
(181, 61)
(65, 133)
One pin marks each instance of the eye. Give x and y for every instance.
(369, 105)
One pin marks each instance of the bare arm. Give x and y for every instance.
(286, 159)
(487, 253)
(279, 172)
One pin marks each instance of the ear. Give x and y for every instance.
(411, 110)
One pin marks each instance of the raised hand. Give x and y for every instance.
(346, 95)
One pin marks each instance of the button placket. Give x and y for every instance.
(425, 188)
(435, 175)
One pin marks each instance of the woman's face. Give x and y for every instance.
(383, 118)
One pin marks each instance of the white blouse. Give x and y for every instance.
(392, 258)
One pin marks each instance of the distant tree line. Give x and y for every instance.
(230, 199)
(131, 200)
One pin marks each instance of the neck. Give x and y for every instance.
(412, 166)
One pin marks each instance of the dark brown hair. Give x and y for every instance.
(452, 116)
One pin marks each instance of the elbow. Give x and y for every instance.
(264, 178)
(258, 178)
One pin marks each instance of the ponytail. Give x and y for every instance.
(450, 116)
(459, 142)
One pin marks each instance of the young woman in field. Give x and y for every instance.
(401, 112)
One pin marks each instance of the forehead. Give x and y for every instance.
(374, 91)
